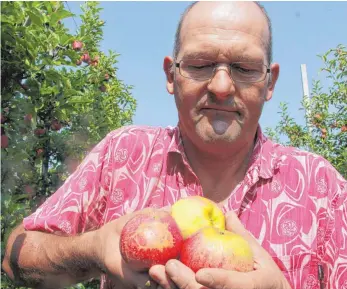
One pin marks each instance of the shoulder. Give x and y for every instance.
(136, 141)
(313, 169)
(140, 131)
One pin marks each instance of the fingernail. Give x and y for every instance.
(204, 279)
(171, 267)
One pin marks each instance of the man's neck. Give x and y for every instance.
(219, 174)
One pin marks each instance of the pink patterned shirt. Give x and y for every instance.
(293, 202)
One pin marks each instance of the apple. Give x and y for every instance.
(107, 76)
(39, 152)
(214, 248)
(24, 86)
(39, 131)
(56, 125)
(85, 57)
(29, 191)
(94, 63)
(4, 141)
(318, 116)
(28, 118)
(3, 118)
(149, 239)
(102, 88)
(79, 62)
(344, 128)
(194, 213)
(77, 45)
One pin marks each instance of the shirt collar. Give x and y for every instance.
(264, 160)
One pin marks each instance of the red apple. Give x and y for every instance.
(344, 128)
(56, 125)
(107, 76)
(39, 152)
(149, 239)
(28, 118)
(102, 88)
(24, 86)
(85, 57)
(4, 141)
(318, 116)
(39, 131)
(77, 45)
(3, 118)
(94, 63)
(211, 247)
(29, 191)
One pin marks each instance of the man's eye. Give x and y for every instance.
(199, 67)
(242, 69)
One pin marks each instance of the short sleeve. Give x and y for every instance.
(75, 207)
(334, 237)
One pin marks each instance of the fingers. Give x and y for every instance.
(158, 274)
(219, 278)
(234, 224)
(166, 208)
(261, 256)
(181, 275)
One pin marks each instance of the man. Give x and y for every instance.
(292, 203)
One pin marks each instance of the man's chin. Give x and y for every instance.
(211, 136)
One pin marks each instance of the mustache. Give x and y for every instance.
(212, 100)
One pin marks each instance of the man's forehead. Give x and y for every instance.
(243, 16)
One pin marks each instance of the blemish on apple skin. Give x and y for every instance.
(155, 236)
(150, 239)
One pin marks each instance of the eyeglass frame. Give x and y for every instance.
(268, 70)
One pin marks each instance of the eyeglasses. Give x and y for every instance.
(202, 70)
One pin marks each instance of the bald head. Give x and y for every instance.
(239, 12)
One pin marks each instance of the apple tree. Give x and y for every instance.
(60, 96)
(325, 131)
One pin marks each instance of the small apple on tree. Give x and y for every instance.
(4, 141)
(77, 45)
(56, 125)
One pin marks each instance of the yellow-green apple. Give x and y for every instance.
(150, 238)
(214, 248)
(194, 213)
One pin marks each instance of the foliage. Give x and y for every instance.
(325, 132)
(58, 101)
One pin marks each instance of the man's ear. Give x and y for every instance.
(274, 73)
(169, 69)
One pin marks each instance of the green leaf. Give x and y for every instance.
(59, 15)
(35, 17)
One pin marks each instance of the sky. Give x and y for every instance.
(143, 34)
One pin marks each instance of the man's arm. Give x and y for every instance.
(43, 260)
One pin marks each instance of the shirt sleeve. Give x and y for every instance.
(75, 207)
(335, 237)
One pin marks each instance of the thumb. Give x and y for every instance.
(233, 224)
(166, 208)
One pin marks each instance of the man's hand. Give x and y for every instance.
(266, 274)
(110, 259)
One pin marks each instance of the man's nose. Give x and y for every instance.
(221, 84)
